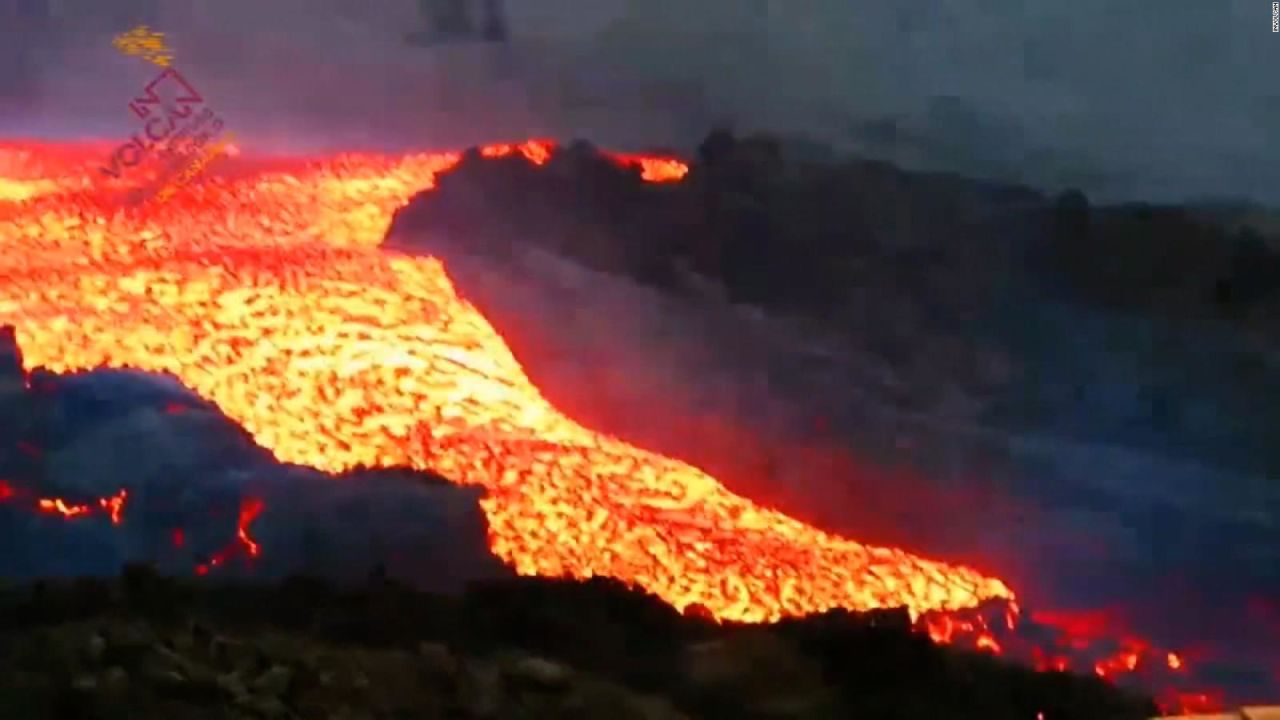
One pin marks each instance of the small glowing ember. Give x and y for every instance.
(111, 507)
(244, 544)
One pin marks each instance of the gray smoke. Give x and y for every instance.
(1153, 102)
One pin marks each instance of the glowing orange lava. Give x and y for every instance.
(112, 507)
(249, 511)
(268, 295)
(266, 292)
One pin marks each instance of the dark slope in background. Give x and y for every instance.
(1075, 398)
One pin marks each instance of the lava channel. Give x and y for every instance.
(266, 292)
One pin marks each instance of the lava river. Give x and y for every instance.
(264, 289)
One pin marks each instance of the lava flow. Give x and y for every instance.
(268, 295)
(266, 292)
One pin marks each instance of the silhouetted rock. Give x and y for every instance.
(791, 235)
(1252, 276)
(775, 234)
(12, 381)
(11, 366)
(581, 204)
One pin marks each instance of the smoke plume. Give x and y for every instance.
(1155, 103)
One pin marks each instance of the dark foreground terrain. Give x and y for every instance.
(144, 646)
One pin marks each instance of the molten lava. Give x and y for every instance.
(111, 507)
(268, 295)
(266, 292)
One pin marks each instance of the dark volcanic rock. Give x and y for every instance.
(19, 457)
(12, 370)
(1163, 260)
(13, 380)
(801, 233)
(940, 276)
(580, 204)
(148, 647)
(773, 233)
(189, 480)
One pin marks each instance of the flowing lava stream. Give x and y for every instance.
(265, 291)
